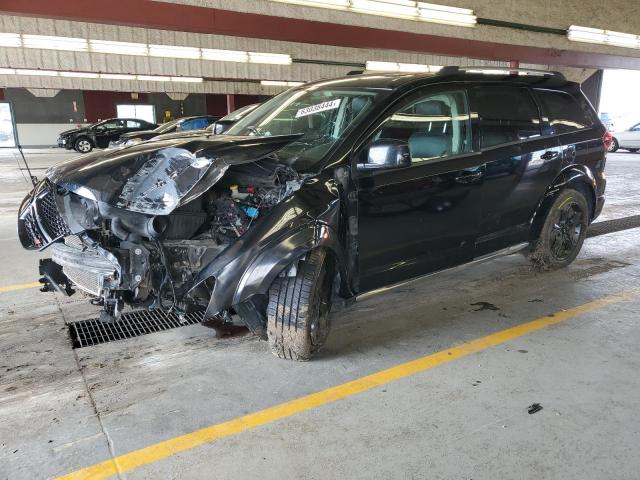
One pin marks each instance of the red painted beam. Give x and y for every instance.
(168, 16)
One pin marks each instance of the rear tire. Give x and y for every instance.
(298, 312)
(563, 232)
(614, 145)
(83, 145)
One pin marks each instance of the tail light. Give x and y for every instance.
(607, 138)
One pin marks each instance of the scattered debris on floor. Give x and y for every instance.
(534, 408)
(484, 306)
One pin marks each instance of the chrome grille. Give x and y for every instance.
(35, 235)
(50, 218)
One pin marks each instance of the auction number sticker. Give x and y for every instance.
(320, 107)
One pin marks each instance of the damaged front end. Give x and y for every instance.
(155, 225)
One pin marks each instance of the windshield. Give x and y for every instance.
(321, 116)
(165, 127)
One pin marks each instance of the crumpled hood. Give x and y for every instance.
(156, 177)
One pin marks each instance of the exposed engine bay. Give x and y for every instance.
(119, 256)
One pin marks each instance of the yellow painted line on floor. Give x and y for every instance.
(20, 286)
(164, 449)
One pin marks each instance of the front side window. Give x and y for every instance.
(507, 114)
(434, 125)
(321, 116)
(562, 112)
(110, 125)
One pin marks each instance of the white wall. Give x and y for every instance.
(41, 134)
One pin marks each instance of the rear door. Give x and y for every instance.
(424, 217)
(570, 118)
(520, 163)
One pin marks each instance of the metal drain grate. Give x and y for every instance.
(611, 226)
(130, 324)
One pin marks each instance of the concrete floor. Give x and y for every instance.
(63, 409)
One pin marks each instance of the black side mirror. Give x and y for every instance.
(385, 154)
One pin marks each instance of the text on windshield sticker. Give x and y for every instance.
(320, 107)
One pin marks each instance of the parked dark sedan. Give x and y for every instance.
(99, 134)
(326, 191)
(185, 124)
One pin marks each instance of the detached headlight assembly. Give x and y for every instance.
(169, 178)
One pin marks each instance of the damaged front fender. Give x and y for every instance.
(296, 226)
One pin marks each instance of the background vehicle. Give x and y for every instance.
(626, 140)
(178, 125)
(328, 190)
(85, 139)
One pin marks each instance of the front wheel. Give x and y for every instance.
(298, 311)
(563, 232)
(83, 145)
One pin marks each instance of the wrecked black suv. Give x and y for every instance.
(324, 192)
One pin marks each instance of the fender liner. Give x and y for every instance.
(252, 273)
(259, 276)
(578, 177)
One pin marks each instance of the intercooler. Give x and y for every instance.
(86, 267)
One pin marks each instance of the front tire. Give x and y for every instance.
(298, 312)
(614, 145)
(633, 150)
(83, 145)
(563, 232)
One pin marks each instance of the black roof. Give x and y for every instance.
(537, 78)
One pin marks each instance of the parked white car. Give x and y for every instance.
(627, 140)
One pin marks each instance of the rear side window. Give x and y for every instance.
(562, 113)
(507, 114)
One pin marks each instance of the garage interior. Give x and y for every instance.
(490, 370)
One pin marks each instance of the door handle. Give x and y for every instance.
(550, 155)
(469, 176)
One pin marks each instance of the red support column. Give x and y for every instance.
(231, 102)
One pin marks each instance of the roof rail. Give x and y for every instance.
(501, 71)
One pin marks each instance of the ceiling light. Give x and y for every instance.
(605, 37)
(462, 17)
(375, 66)
(224, 55)
(79, 75)
(271, 58)
(119, 48)
(393, 8)
(280, 83)
(153, 78)
(187, 79)
(48, 42)
(319, 3)
(173, 51)
(10, 40)
(411, 9)
(117, 76)
(39, 73)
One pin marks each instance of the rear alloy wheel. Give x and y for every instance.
(614, 145)
(563, 232)
(298, 312)
(83, 145)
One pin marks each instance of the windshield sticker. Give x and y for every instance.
(320, 107)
